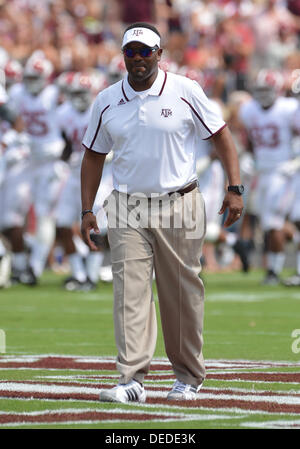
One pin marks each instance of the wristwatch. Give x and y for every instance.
(84, 212)
(239, 189)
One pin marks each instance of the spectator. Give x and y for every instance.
(294, 7)
(235, 41)
(133, 11)
(265, 24)
(282, 47)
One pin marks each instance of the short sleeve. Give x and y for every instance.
(96, 137)
(207, 114)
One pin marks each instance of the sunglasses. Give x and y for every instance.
(144, 52)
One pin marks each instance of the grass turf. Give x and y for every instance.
(243, 320)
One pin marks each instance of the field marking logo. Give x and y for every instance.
(215, 402)
(2, 341)
(296, 342)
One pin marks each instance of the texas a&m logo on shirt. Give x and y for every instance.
(166, 112)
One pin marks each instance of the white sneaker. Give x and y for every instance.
(183, 392)
(131, 392)
(293, 281)
(105, 274)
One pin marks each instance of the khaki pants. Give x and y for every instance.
(166, 234)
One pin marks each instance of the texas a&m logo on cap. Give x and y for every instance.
(166, 112)
(137, 32)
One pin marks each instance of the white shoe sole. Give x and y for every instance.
(180, 397)
(108, 396)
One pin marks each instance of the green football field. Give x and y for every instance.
(57, 352)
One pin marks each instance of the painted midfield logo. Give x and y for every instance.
(166, 112)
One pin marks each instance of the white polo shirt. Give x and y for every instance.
(153, 133)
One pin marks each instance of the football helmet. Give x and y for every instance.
(37, 72)
(13, 72)
(84, 86)
(267, 87)
(99, 81)
(80, 90)
(64, 82)
(116, 69)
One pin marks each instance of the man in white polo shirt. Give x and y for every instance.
(152, 121)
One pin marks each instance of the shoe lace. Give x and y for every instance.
(179, 386)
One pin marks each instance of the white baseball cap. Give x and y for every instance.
(143, 35)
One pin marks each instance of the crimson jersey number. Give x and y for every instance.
(35, 123)
(265, 136)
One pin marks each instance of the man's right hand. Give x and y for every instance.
(88, 224)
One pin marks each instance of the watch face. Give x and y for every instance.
(237, 189)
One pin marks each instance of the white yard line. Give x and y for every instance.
(62, 389)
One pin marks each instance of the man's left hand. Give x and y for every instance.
(234, 204)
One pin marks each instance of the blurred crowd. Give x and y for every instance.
(227, 40)
(222, 44)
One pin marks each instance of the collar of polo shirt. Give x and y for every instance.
(143, 35)
(155, 89)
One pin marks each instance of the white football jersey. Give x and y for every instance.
(39, 116)
(4, 125)
(16, 149)
(74, 125)
(296, 121)
(270, 131)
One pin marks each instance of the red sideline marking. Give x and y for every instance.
(60, 363)
(200, 403)
(83, 416)
(232, 403)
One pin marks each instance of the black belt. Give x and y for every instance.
(186, 189)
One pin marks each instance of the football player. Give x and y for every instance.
(15, 197)
(74, 118)
(268, 121)
(116, 69)
(212, 183)
(292, 169)
(36, 100)
(13, 73)
(5, 256)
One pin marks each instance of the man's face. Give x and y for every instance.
(141, 68)
(265, 96)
